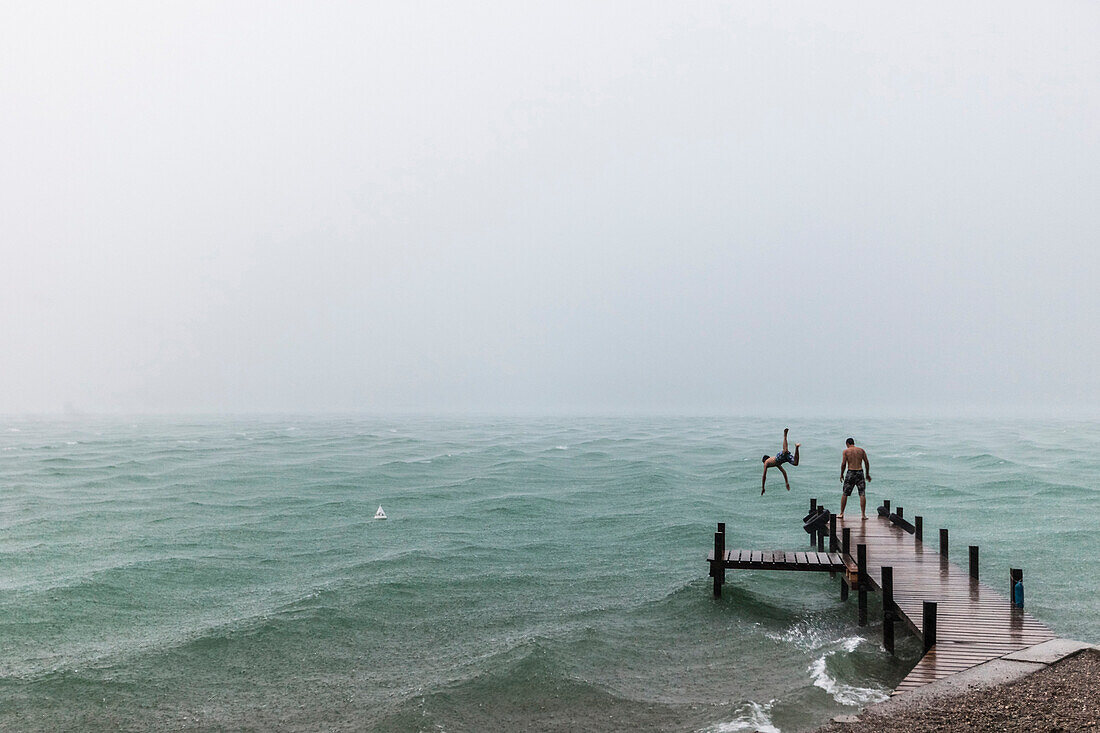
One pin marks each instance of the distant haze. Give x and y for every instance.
(560, 206)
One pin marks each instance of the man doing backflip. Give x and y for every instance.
(777, 461)
(854, 459)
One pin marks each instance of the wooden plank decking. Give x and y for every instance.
(974, 623)
(781, 560)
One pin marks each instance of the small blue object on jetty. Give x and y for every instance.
(1016, 575)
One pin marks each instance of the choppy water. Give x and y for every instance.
(543, 574)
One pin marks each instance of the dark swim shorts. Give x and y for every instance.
(783, 457)
(854, 479)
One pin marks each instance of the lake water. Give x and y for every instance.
(542, 573)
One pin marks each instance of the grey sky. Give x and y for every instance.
(718, 207)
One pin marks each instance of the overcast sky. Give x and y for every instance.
(717, 207)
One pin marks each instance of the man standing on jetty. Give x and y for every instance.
(854, 459)
(777, 461)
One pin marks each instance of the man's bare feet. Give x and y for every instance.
(864, 517)
(788, 487)
(786, 430)
(797, 445)
(761, 492)
(840, 516)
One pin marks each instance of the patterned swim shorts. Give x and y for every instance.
(854, 479)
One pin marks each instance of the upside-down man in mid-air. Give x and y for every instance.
(777, 461)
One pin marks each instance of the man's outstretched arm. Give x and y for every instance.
(763, 480)
(867, 465)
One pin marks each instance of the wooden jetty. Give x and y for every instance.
(962, 621)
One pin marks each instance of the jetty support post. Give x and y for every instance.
(928, 624)
(846, 549)
(943, 543)
(821, 534)
(973, 561)
(832, 539)
(886, 504)
(901, 513)
(1015, 575)
(861, 565)
(813, 532)
(888, 608)
(718, 566)
(918, 524)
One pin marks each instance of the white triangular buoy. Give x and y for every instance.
(380, 514)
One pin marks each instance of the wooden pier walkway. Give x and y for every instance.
(962, 621)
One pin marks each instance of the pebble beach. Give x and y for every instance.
(1062, 697)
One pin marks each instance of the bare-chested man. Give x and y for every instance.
(777, 461)
(854, 459)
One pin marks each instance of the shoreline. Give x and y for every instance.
(1052, 686)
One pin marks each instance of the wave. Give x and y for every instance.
(986, 460)
(752, 716)
(744, 605)
(519, 505)
(527, 686)
(843, 693)
(196, 634)
(1063, 491)
(125, 581)
(836, 657)
(811, 635)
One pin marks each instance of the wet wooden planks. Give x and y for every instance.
(781, 560)
(974, 623)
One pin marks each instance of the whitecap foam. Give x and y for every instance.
(561, 447)
(851, 643)
(800, 635)
(805, 634)
(751, 716)
(844, 694)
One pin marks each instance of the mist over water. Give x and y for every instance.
(535, 572)
(675, 207)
